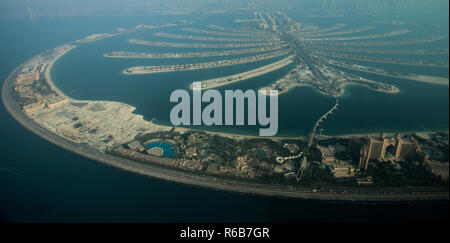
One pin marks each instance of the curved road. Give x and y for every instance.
(203, 180)
(312, 135)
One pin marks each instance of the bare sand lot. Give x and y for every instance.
(217, 82)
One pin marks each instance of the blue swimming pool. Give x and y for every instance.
(169, 151)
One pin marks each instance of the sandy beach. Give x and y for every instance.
(319, 137)
(136, 70)
(222, 81)
(49, 68)
(426, 79)
(414, 77)
(224, 134)
(268, 88)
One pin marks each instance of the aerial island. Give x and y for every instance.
(354, 167)
(122, 54)
(196, 66)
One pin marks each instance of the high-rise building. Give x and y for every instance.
(385, 148)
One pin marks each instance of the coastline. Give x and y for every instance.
(150, 55)
(267, 88)
(207, 181)
(140, 70)
(412, 77)
(183, 129)
(172, 174)
(278, 138)
(49, 68)
(386, 61)
(215, 82)
(225, 134)
(362, 135)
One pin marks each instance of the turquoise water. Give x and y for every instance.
(40, 182)
(85, 74)
(169, 151)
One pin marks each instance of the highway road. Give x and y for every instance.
(209, 181)
(302, 55)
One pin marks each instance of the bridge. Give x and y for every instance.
(301, 54)
(304, 161)
(312, 135)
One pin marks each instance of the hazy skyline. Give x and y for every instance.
(57, 8)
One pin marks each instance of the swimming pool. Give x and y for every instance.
(169, 151)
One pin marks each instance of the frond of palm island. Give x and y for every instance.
(367, 167)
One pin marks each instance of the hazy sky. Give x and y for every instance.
(22, 8)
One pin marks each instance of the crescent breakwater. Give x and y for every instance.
(197, 66)
(168, 174)
(99, 129)
(120, 31)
